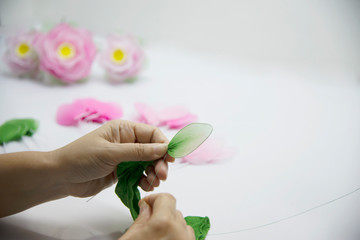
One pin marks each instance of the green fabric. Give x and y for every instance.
(129, 174)
(14, 129)
(188, 139)
(201, 226)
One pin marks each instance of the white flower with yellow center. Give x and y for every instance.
(118, 56)
(122, 59)
(21, 55)
(23, 50)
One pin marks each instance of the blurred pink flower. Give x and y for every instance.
(66, 53)
(20, 54)
(213, 150)
(87, 110)
(123, 58)
(174, 117)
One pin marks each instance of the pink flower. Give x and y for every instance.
(174, 117)
(212, 150)
(122, 59)
(66, 53)
(87, 110)
(20, 54)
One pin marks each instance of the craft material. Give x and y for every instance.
(123, 58)
(288, 217)
(66, 53)
(87, 110)
(129, 173)
(20, 55)
(174, 117)
(201, 226)
(214, 150)
(188, 139)
(14, 129)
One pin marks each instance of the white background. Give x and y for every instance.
(279, 80)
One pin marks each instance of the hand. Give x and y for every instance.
(159, 219)
(88, 165)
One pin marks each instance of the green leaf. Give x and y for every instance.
(129, 175)
(14, 129)
(188, 139)
(201, 226)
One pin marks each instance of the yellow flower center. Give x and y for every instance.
(118, 56)
(23, 49)
(66, 51)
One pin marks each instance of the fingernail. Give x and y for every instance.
(160, 149)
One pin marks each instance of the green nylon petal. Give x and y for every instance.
(188, 139)
(14, 129)
(201, 226)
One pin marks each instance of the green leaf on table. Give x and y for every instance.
(188, 139)
(14, 129)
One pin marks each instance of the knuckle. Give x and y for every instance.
(179, 214)
(168, 196)
(140, 150)
(162, 224)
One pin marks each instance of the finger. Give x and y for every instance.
(114, 176)
(151, 177)
(163, 205)
(179, 215)
(169, 158)
(149, 169)
(149, 134)
(191, 232)
(122, 152)
(145, 211)
(132, 132)
(153, 180)
(145, 185)
(161, 169)
(122, 131)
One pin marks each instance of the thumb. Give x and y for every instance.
(123, 152)
(145, 212)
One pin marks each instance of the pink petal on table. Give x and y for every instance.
(172, 113)
(181, 122)
(147, 114)
(211, 151)
(67, 113)
(88, 110)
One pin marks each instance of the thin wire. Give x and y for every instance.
(289, 217)
(92, 197)
(35, 143)
(3, 146)
(42, 139)
(25, 143)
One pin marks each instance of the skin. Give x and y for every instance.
(88, 165)
(159, 219)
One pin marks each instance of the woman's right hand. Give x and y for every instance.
(159, 219)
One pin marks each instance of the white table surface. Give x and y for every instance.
(296, 132)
